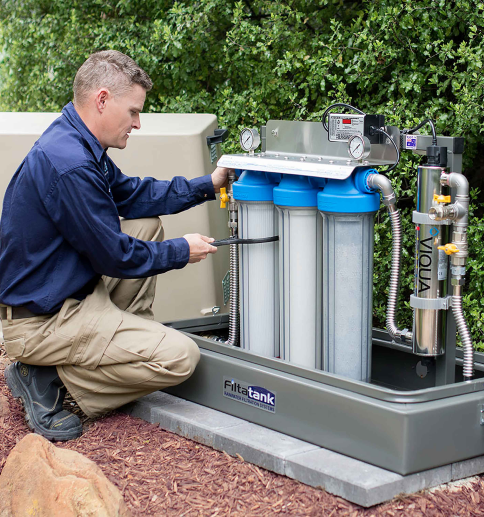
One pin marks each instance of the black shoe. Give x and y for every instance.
(42, 393)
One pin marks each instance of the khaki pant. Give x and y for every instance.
(107, 348)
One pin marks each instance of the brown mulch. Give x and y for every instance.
(160, 473)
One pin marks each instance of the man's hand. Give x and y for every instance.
(219, 178)
(199, 247)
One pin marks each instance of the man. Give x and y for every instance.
(76, 282)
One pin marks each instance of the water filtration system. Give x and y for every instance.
(315, 186)
(301, 355)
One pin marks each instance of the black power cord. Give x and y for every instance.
(416, 128)
(375, 129)
(235, 240)
(343, 105)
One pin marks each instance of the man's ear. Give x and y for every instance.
(102, 97)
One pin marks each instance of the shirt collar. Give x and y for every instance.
(73, 117)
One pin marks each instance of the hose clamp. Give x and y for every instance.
(436, 304)
(389, 200)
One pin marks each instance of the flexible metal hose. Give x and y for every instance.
(394, 273)
(383, 184)
(464, 333)
(234, 296)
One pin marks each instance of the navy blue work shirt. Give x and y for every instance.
(60, 228)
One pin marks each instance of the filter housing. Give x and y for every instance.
(347, 210)
(259, 317)
(299, 271)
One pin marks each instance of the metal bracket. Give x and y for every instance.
(219, 136)
(436, 304)
(419, 143)
(481, 413)
(421, 218)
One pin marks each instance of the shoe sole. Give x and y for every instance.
(20, 392)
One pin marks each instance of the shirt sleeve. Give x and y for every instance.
(84, 212)
(148, 197)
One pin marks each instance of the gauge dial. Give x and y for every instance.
(249, 139)
(358, 147)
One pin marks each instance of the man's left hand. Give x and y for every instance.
(219, 178)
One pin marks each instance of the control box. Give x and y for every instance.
(343, 126)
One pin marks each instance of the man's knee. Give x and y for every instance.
(189, 356)
(179, 363)
(145, 229)
(155, 229)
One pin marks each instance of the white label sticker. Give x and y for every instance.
(443, 263)
(410, 142)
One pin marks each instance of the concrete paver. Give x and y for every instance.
(357, 481)
(341, 475)
(467, 468)
(193, 421)
(261, 446)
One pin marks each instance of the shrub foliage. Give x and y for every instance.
(252, 60)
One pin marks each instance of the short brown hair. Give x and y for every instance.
(110, 69)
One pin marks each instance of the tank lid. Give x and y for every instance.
(350, 195)
(253, 186)
(295, 191)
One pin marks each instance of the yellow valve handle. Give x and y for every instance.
(224, 198)
(441, 199)
(449, 249)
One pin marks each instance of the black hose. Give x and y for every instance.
(383, 132)
(235, 240)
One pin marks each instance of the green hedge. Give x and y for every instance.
(253, 60)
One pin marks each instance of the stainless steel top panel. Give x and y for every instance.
(303, 148)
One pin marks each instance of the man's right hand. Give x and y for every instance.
(199, 247)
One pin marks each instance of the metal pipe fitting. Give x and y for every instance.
(383, 184)
(460, 207)
(233, 207)
(442, 213)
(458, 182)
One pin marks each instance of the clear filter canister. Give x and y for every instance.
(299, 271)
(348, 208)
(259, 318)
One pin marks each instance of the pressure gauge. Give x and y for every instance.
(359, 147)
(249, 139)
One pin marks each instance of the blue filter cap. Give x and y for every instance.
(274, 177)
(349, 196)
(295, 191)
(253, 186)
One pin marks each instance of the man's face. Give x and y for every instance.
(120, 116)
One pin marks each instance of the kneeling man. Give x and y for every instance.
(76, 281)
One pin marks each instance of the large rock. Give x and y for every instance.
(46, 481)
